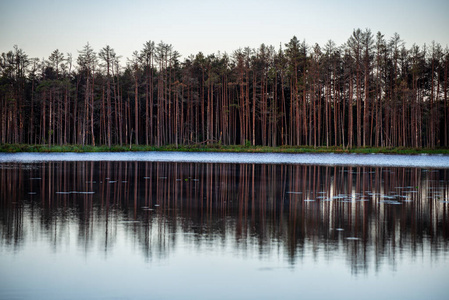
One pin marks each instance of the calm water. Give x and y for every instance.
(166, 230)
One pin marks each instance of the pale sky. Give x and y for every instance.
(41, 26)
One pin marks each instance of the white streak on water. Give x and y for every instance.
(325, 159)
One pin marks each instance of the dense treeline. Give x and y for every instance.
(371, 91)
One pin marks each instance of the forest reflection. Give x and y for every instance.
(371, 216)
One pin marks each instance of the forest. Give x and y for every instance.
(371, 91)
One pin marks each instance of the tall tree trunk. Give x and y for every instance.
(350, 114)
(136, 110)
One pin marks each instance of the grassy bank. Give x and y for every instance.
(214, 148)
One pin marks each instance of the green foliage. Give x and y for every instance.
(218, 147)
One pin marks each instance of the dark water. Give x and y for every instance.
(158, 230)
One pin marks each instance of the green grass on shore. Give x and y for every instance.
(216, 148)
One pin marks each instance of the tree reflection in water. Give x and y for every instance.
(373, 215)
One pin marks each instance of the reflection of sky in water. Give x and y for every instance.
(423, 160)
(218, 236)
(205, 273)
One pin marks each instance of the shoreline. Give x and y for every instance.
(17, 148)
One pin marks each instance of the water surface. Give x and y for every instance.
(327, 159)
(188, 230)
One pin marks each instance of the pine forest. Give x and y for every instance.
(372, 91)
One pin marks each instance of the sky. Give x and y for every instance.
(41, 26)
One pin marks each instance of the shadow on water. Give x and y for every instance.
(373, 216)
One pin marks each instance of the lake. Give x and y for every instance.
(223, 226)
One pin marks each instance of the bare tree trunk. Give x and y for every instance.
(136, 109)
(254, 109)
(446, 107)
(92, 111)
(350, 115)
